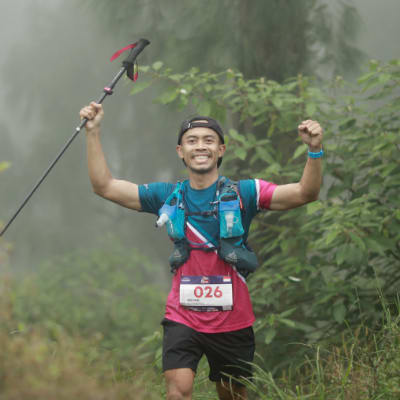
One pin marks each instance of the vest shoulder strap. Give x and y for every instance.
(230, 186)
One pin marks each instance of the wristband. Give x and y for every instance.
(315, 155)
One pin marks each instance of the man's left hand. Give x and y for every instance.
(311, 134)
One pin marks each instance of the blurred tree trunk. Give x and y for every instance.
(271, 38)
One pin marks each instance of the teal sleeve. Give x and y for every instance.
(153, 195)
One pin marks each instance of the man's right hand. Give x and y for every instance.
(94, 113)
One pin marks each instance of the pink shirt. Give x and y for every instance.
(209, 263)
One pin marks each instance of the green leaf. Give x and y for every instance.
(270, 334)
(314, 206)
(355, 255)
(383, 78)
(299, 151)
(288, 312)
(366, 77)
(168, 97)
(303, 327)
(356, 239)
(277, 102)
(240, 152)
(288, 322)
(235, 135)
(264, 155)
(347, 123)
(157, 65)
(342, 253)
(370, 84)
(140, 86)
(331, 236)
(384, 243)
(311, 108)
(176, 77)
(339, 312)
(375, 246)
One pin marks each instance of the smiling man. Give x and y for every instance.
(208, 310)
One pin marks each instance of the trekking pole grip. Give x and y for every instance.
(140, 45)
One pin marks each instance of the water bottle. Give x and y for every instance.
(229, 218)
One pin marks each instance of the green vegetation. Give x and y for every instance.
(321, 264)
(72, 328)
(325, 295)
(110, 294)
(366, 365)
(44, 363)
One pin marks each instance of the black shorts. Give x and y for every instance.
(228, 353)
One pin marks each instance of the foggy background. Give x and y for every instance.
(55, 59)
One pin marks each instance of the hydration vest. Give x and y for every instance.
(228, 209)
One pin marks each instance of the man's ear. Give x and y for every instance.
(221, 149)
(179, 151)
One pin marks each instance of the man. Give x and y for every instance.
(208, 309)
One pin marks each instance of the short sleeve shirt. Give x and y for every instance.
(203, 230)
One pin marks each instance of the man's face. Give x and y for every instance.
(200, 149)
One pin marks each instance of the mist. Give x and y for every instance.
(55, 59)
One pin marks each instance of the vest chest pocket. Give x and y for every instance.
(230, 217)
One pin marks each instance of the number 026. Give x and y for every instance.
(207, 292)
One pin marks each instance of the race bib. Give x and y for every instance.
(206, 293)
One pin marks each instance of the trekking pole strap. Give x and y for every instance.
(129, 62)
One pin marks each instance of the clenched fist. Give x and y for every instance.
(94, 113)
(311, 134)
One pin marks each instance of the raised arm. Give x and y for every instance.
(104, 184)
(294, 195)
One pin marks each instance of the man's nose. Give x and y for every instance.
(201, 144)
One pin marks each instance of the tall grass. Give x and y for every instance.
(46, 362)
(365, 366)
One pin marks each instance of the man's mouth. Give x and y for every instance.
(201, 158)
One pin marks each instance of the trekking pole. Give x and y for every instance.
(128, 67)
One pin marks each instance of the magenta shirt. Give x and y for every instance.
(208, 263)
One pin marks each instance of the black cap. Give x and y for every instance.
(200, 122)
